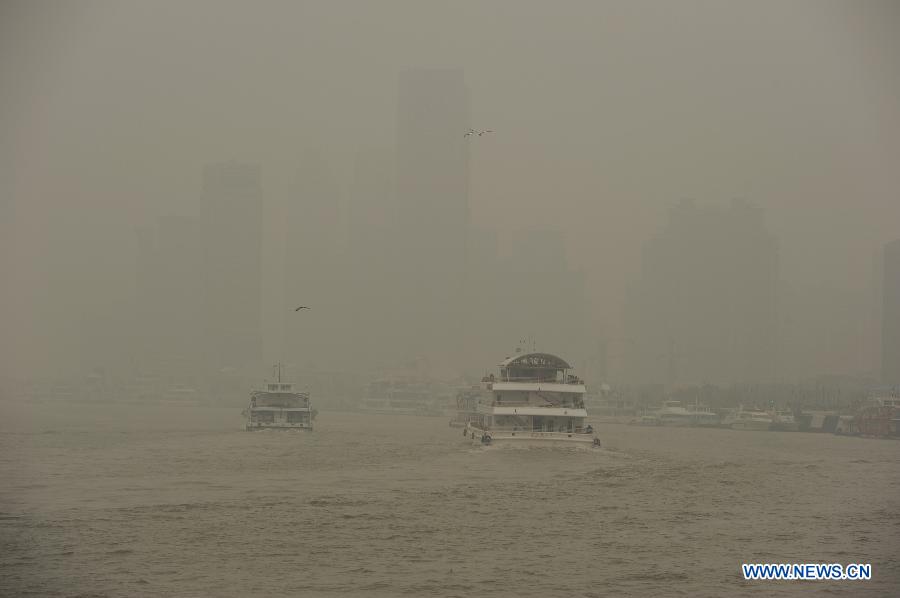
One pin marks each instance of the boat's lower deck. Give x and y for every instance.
(280, 426)
(478, 435)
(259, 418)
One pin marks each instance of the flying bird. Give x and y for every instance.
(471, 132)
(301, 307)
(480, 133)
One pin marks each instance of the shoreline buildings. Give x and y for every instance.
(705, 307)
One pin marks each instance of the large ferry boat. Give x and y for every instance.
(535, 399)
(279, 406)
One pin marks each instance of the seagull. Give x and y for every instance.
(480, 133)
(301, 307)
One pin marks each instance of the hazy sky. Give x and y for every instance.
(605, 112)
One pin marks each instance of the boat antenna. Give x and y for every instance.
(277, 371)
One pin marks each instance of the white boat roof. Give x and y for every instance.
(539, 386)
(534, 410)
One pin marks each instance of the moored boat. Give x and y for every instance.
(784, 421)
(674, 413)
(748, 420)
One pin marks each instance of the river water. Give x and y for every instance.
(124, 500)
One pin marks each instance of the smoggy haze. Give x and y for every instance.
(606, 115)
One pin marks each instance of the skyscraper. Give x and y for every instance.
(431, 207)
(371, 260)
(232, 242)
(890, 315)
(705, 307)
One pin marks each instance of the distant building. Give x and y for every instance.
(232, 268)
(541, 297)
(170, 290)
(372, 260)
(890, 315)
(530, 298)
(432, 212)
(704, 309)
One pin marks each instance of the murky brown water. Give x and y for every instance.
(180, 501)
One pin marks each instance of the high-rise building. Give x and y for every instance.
(232, 269)
(890, 315)
(371, 261)
(705, 307)
(431, 208)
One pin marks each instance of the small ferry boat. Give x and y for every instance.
(784, 421)
(534, 400)
(674, 413)
(279, 406)
(748, 420)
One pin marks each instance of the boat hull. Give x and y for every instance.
(757, 426)
(278, 426)
(785, 426)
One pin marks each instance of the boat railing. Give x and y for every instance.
(261, 407)
(536, 380)
(505, 403)
(520, 430)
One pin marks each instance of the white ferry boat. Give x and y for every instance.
(784, 421)
(748, 420)
(279, 406)
(674, 413)
(535, 400)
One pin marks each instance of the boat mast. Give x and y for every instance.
(277, 371)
